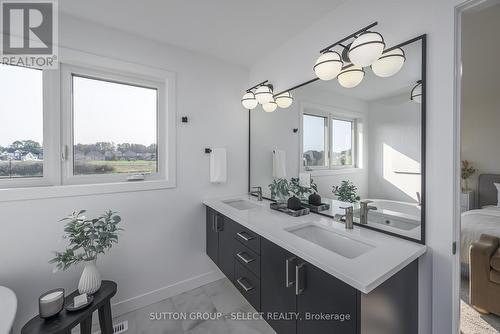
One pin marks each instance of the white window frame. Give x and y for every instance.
(330, 114)
(50, 119)
(55, 114)
(68, 177)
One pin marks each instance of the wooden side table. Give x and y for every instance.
(65, 321)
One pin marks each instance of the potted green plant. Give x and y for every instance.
(88, 237)
(346, 192)
(280, 190)
(302, 192)
(467, 171)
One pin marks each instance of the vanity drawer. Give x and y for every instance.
(248, 238)
(247, 258)
(248, 284)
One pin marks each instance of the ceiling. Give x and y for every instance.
(233, 30)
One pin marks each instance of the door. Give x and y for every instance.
(326, 305)
(226, 230)
(212, 235)
(277, 288)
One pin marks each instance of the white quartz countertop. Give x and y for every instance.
(365, 272)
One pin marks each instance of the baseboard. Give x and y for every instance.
(148, 298)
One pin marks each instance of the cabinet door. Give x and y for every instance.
(321, 297)
(278, 294)
(226, 228)
(212, 235)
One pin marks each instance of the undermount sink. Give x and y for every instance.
(241, 204)
(332, 241)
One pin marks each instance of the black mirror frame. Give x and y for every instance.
(423, 39)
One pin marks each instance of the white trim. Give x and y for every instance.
(457, 119)
(151, 297)
(44, 192)
(338, 171)
(67, 74)
(330, 113)
(50, 187)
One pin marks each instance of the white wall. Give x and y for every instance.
(480, 100)
(395, 148)
(162, 249)
(400, 20)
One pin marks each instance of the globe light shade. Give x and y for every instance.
(416, 93)
(284, 100)
(328, 65)
(264, 94)
(248, 101)
(270, 106)
(351, 76)
(366, 49)
(389, 63)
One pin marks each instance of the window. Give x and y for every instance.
(113, 127)
(314, 143)
(21, 122)
(76, 125)
(342, 133)
(331, 134)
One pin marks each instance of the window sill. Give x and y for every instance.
(45, 192)
(328, 172)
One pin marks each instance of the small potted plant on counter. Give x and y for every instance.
(346, 192)
(302, 192)
(280, 190)
(88, 237)
(467, 171)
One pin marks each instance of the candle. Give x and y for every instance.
(51, 303)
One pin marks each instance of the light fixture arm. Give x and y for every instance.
(353, 35)
(265, 82)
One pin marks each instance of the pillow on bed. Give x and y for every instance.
(498, 193)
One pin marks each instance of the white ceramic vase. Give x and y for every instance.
(90, 282)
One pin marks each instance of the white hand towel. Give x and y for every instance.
(305, 180)
(279, 164)
(218, 165)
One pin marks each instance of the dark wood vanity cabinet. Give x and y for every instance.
(220, 242)
(290, 285)
(281, 286)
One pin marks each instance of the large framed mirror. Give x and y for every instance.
(352, 145)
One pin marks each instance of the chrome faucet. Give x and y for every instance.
(348, 217)
(257, 193)
(363, 212)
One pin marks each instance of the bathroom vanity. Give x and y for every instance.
(309, 274)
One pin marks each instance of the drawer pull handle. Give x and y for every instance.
(289, 263)
(299, 279)
(244, 284)
(245, 236)
(243, 256)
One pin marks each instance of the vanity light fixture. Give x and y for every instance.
(351, 76)
(366, 48)
(416, 92)
(389, 63)
(328, 65)
(249, 101)
(284, 100)
(270, 106)
(264, 94)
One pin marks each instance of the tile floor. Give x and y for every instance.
(220, 296)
